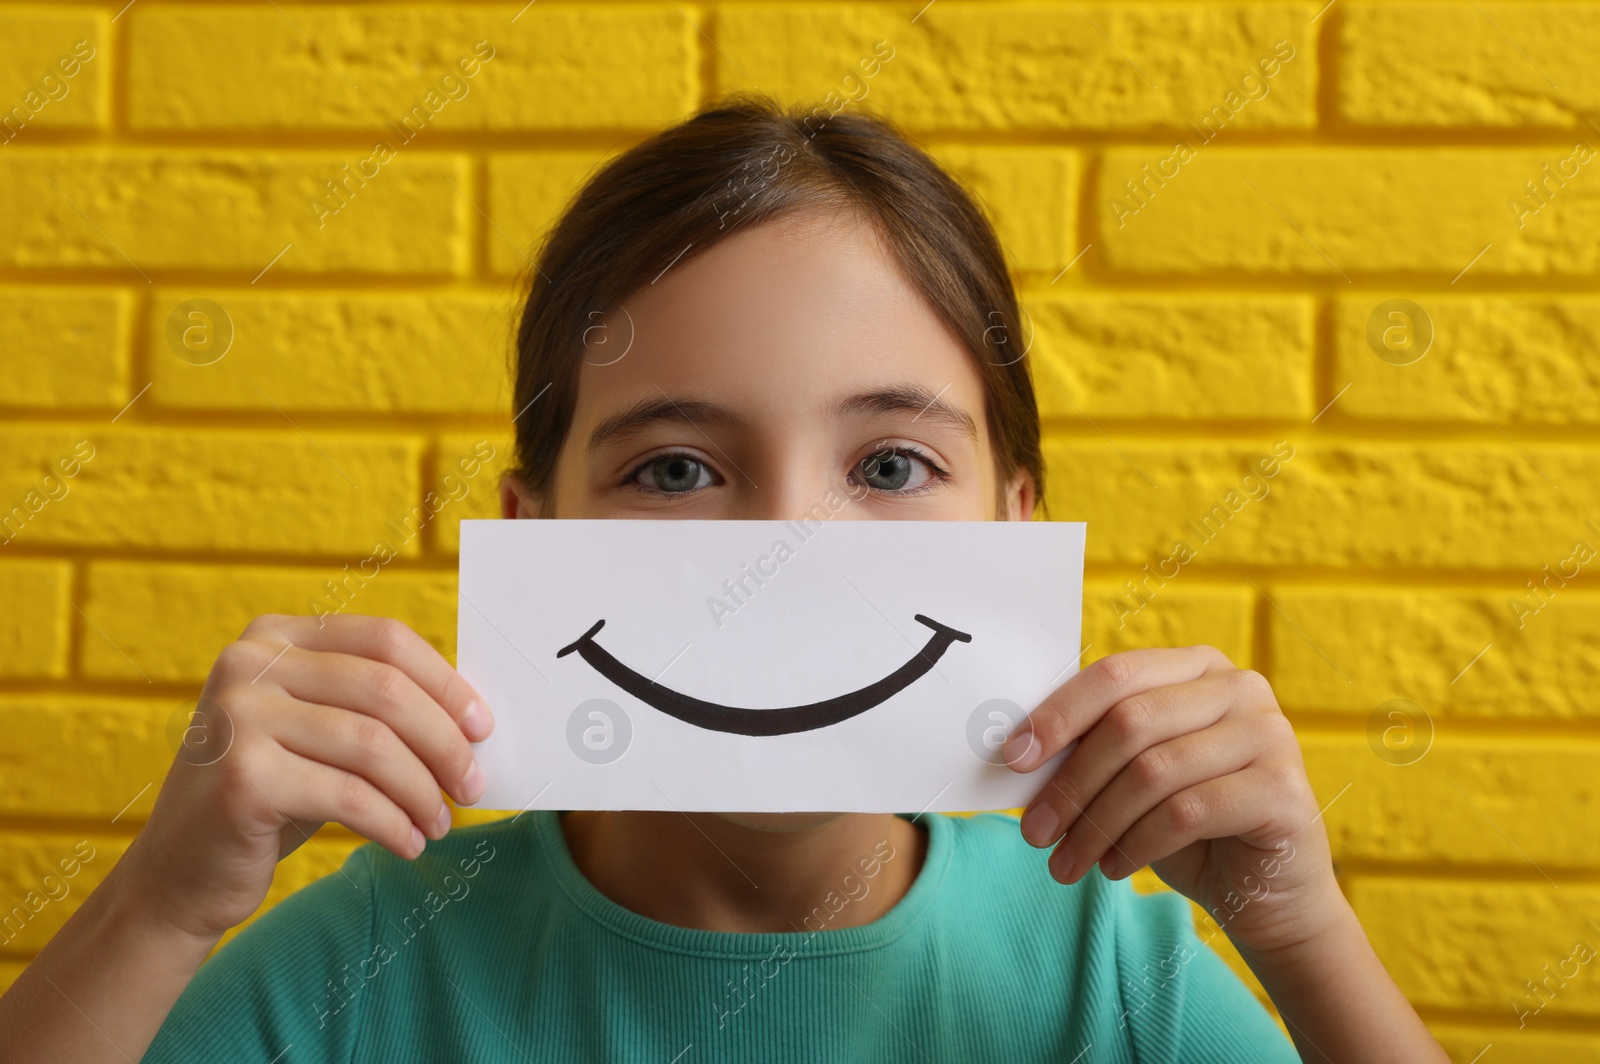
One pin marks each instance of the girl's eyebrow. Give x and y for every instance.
(898, 399)
(648, 411)
(901, 398)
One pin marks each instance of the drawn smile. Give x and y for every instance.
(740, 721)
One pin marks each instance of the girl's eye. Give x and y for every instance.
(894, 470)
(674, 474)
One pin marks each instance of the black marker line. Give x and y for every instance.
(714, 717)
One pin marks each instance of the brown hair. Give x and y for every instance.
(744, 161)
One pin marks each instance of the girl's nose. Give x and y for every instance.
(810, 499)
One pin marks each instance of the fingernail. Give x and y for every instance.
(441, 826)
(476, 722)
(417, 841)
(472, 783)
(1062, 865)
(1040, 824)
(1114, 866)
(1022, 751)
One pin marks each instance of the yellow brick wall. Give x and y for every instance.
(1357, 152)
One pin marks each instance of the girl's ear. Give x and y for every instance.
(1020, 497)
(516, 501)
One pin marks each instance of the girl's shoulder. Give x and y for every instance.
(1003, 886)
(499, 865)
(988, 853)
(462, 854)
(1135, 955)
(309, 970)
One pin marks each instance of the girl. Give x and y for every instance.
(809, 304)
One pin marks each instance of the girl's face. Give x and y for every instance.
(790, 368)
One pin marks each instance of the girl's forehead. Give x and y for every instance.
(811, 310)
(820, 279)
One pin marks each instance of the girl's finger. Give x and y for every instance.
(1073, 708)
(1127, 729)
(302, 789)
(1236, 804)
(389, 695)
(1150, 779)
(391, 642)
(370, 749)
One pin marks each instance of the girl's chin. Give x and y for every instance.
(780, 821)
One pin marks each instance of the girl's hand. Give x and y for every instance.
(1185, 763)
(348, 718)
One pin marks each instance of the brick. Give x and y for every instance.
(1420, 643)
(87, 756)
(1030, 194)
(1450, 807)
(232, 211)
(37, 906)
(1466, 1045)
(1510, 359)
(1349, 211)
(1463, 945)
(527, 192)
(212, 489)
(612, 66)
(54, 70)
(1114, 620)
(1171, 356)
(1017, 67)
(219, 601)
(472, 817)
(483, 501)
(1447, 64)
(1462, 504)
(37, 893)
(69, 347)
(401, 352)
(35, 628)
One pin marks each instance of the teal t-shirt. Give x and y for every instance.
(492, 946)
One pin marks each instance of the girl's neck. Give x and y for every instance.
(711, 873)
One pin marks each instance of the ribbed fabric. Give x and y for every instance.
(493, 947)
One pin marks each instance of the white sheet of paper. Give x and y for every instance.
(711, 624)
